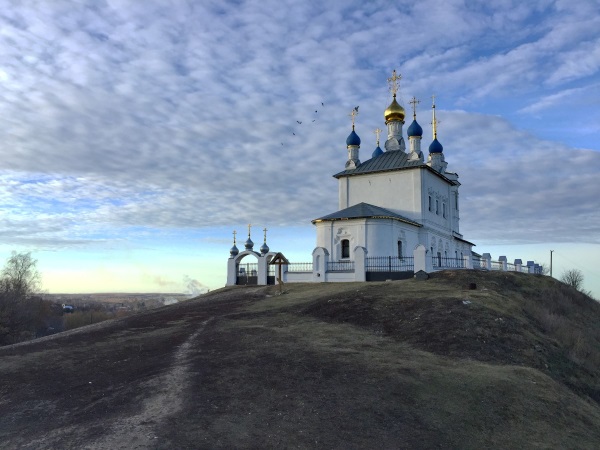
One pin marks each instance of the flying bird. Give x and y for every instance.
(356, 108)
(299, 122)
(322, 104)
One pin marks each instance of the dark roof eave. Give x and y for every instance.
(423, 166)
(409, 222)
(465, 241)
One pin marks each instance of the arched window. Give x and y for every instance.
(345, 248)
(399, 249)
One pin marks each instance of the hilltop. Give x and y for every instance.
(514, 363)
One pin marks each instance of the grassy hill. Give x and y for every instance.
(405, 364)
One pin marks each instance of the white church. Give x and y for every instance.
(398, 214)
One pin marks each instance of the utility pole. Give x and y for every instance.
(551, 263)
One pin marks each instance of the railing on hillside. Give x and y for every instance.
(448, 263)
(340, 266)
(300, 267)
(496, 265)
(511, 267)
(389, 264)
(477, 263)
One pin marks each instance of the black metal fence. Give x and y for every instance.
(440, 262)
(340, 266)
(247, 273)
(389, 264)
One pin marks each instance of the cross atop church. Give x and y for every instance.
(249, 226)
(377, 131)
(434, 121)
(234, 233)
(353, 115)
(393, 81)
(414, 102)
(265, 231)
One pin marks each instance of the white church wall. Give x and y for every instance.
(398, 191)
(331, 234)
(382, 237)
(437, 203)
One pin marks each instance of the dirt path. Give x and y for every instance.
(139, 431)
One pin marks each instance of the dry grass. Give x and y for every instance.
(360, 365)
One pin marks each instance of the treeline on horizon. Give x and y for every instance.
(25, 315)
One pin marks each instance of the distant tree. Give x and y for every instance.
(20, 277)
(574, 278)
(21, 313)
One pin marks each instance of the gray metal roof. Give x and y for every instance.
(390, 160)
(365, 211)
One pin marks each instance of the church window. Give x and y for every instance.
(456, 201)
(437, 207)
(430, 203)
(345, 248)
(439, 258)
(399, 249)
(444, 210)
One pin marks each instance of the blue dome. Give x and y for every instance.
(264, 249)
(234, 251)
(415, 129)
(377, 152)
(436, 147)
(353, 139)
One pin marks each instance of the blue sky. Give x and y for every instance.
(135, 136)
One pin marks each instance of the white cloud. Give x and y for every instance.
(123, 116)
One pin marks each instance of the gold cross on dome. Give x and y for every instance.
(394, 82)
(234, 233)
(414, 102)
(377, 131)
(265, 230)
(434, 121)
(249, 226)
(353, 115)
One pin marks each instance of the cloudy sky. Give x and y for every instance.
(135, 136)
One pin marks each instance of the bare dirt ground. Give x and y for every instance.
(404, 364)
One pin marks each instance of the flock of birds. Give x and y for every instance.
(299, 122)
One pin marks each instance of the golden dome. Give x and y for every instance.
(394, 112)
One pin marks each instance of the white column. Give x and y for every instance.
(360, 261)
(320, 259)
(231, 272)
(504, 262)
(262, 271)
(486, 260)
(518, 265)
(420, 259)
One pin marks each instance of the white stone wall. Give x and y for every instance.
(399, 191)
(379, 236)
